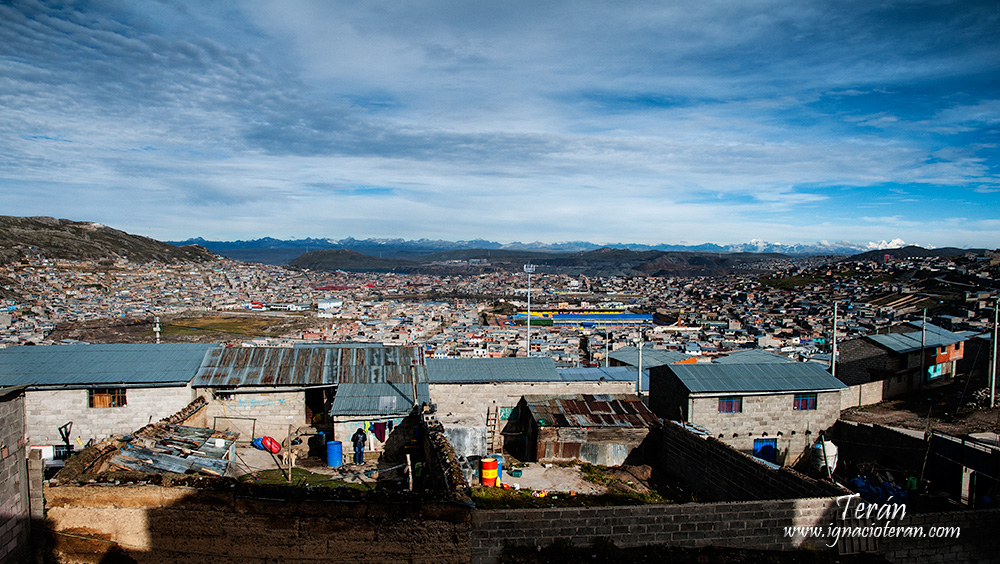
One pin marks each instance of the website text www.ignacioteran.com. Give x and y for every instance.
(880, 517)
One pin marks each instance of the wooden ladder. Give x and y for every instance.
(493, 439)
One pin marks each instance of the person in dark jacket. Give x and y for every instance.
(359, 439)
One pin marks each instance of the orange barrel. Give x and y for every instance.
(488, 472)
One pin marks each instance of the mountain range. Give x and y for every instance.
(269, 250)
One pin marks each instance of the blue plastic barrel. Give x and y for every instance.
(499, 466)
(334, 454)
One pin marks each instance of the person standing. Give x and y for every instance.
(359, 439)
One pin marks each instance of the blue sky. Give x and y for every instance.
(645, 122)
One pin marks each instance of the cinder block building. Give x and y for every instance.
(100, 390)
(910, 357)
(773, 411)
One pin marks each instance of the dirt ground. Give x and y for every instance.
(946, 409)
(211, 328)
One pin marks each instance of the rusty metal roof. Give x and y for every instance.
(310, 366)
(585, 410)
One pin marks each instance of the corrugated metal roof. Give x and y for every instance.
(488, 370)
(749, 378)
(609, 374)
(386, 399)
(650, 357)
(752, 356)
(584, 410)
(309, 366)
(901, 343)
(96, 365)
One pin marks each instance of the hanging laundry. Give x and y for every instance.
(389, 425)
(379, 430)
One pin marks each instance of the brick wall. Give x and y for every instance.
(152, 524)
(257, 414)
(766, 417)
(14, 507)
(47, 410)
(475, 399)
(718, 472)
(756, 524)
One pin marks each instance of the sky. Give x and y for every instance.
(676, 122)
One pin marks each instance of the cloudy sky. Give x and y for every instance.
(646, 122)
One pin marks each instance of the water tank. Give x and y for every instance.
(820, 461)
(334, 454)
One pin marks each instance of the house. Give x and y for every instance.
(910, 357)
(334, 388)
(599, 429)
(773, 410)
(475, 397)
(95, 391)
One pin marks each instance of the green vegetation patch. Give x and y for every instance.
(300, 478)
(240, 325)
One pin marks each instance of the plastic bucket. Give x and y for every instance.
(334, 454)
(488, 472)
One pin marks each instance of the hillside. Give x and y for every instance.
(78, 240)
(912, 252)
(600, 262)
(344, 259)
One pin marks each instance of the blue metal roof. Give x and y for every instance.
(385, 399)
(99, 365)
(932, 337)
(752, 356)
(311, 365)
(609, 374)
(489, 370)
(751, 378)
(650, 357)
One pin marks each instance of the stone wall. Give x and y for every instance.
(14, 506)
(47, 410)
(768, 417)
(717, 472)
(757, 524)
(256, 414)
(153, 524)
(473, 400)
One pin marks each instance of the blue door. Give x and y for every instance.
(766, 449)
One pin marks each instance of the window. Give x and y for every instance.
(732, 404)
(107, 397)
(804, 402)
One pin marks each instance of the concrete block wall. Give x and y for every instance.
(154, 525)
(271, 413)
(47, 410)
(718, 472)
(976, 543)
(862, 394)
(474, 400)
(758, 524)
(14, 505)
(766, 417)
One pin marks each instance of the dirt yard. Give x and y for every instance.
(947, 409)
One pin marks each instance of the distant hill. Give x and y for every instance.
(913, 252)
(345, 259)
(600, 262)
(78, 240)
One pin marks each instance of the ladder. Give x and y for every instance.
(494, 441)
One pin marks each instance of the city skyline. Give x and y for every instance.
(645, 123)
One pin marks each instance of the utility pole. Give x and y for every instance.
(607, 348)
(833, 356)
(993, 365)
(638, 376)
(923, 343)
(528, 269)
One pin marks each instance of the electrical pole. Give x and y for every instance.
(528, 269)
(923, 343)
(833, 356)
(638, 377)
(993, 366)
